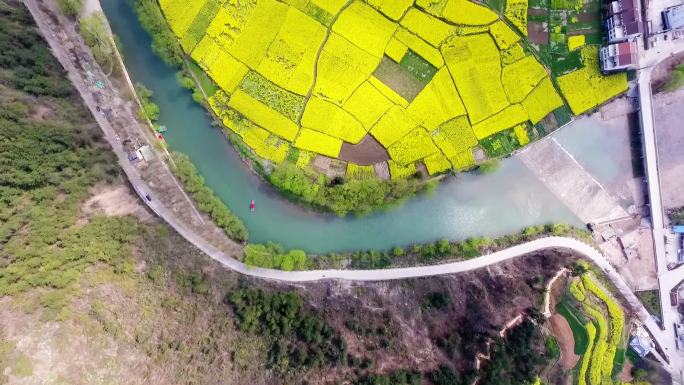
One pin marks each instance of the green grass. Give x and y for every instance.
(500, 144)
(538, 3)
(563, 115)
(676, 79)
(552, 347)
(619, 362)
(497, 5)
(418, 67)
(575, 319)
(204, 80)
(651, 300)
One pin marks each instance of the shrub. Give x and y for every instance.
(205, 199)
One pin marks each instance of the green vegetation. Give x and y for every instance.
(48, 163)
(676, 216)
(675, 80)
(420, 68)
(436, 300)
(357, 196)
(399, 377)
(514, 361)
(70, 8)
(651, 300)
(205, 199)
(96, 36)
(605, 350)
(164, 43)
(299, 337)
(273, 256)
(27, 65)
(552, 347)
(149, 110)
(576, 320)
(444, 375)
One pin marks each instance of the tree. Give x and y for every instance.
(150, 110)
(70, 8)
(96, 35)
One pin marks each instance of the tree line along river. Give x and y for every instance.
(463, 206)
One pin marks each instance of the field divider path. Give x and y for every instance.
(328, 31)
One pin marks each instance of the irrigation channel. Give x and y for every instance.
(463, 206)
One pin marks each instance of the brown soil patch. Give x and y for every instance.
(662, 71)
(398, 79)
(368, 151)
(566, 342)
(586, 17)
(537, 33)
(114, 201)
(537, 11)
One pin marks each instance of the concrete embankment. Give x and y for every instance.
(571, 183)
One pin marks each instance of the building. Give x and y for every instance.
(618, 57)
(641, 343)
(623, 21)
(673, 17)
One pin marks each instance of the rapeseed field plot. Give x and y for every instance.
(395, 50)
(393, 9)
(365, 28)
(437, 102)
(521, 77)
(401, 171)
(427, 27)
(454, 137)
(388, 92)
(180, 14)
(521, 133)
(462, 161)
(475, 66)
(419, 46)
(262, 115)
(576, 41)
(291, 58)
(437, 163)
(342, 67)
(354, 171)
(331, 119)
(542, 101)
(367, 104)
(424, 82)
(503, 35)
(414, 146)
(516, 13)
(507, 118)
(392, 126)
(587, 87)
(318, 142)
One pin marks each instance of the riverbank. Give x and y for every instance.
(461, 207)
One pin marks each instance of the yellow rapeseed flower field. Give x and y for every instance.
(367, 104)
(318, 142)
(314, 74)
(331, 119)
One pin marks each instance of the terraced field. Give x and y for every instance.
(439, 84)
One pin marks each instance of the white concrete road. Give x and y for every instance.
(667, 280)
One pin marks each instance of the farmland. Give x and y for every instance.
(440, 85)
(598, 327)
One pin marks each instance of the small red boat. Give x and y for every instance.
(252, 206)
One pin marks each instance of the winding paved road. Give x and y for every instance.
(156, 205)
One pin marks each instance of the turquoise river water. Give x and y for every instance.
(463, 206)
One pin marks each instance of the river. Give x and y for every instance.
(464, 206)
